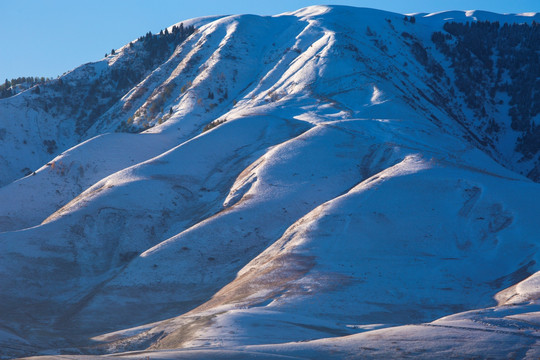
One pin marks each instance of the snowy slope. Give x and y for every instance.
(297, 186)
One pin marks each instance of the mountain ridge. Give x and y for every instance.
(280, 168)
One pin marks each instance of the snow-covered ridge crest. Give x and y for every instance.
(481, 15)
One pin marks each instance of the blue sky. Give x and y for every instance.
(47, 38)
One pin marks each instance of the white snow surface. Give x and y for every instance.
(330, 211)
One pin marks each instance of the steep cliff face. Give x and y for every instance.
(323, 172)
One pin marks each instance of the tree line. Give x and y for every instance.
(7, 89)
(490, 58)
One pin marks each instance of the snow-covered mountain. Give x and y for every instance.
(333, 182)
